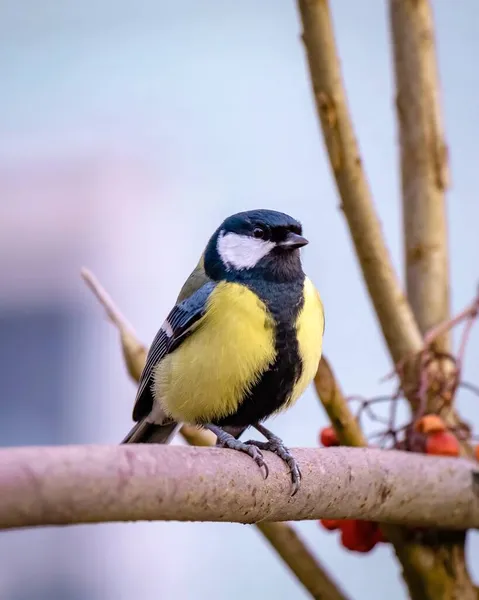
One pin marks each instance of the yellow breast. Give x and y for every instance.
(310, 329)
(207, 376)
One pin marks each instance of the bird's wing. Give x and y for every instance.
(195, 281)
(176, 328)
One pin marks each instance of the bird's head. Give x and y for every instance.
(256, 244)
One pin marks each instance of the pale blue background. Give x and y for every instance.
(208, 105)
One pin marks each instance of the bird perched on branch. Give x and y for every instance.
(241, 344)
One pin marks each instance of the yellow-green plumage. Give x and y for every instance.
(310, 329)
(238, 333)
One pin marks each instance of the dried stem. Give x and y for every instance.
(295, 553)
(469, 313)
(394, 313)
(134, 352)
(345, 424)
(282, 537)
(424, 165)
(62, 485)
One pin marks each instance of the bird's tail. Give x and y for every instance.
(150, 433)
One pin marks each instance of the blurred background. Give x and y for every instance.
(128, 131)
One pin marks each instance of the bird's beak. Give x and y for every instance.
(292, 241)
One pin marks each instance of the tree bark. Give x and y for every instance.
(92, 484)
(398, 325)
(424, 164)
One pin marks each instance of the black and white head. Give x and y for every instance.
(256, 244)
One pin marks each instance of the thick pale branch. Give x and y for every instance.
(423, 164)
(90, 484)
(394, 313)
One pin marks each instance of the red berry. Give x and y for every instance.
(379, 536)
(430, 424)
(442, 443)
(349, 536)
(331, 524)
(328, 437)
(367, 545)
(357, 536)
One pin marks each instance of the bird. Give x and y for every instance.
(241, 344)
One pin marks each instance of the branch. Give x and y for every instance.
(281, 536)
(423, 164)
(294, 552)
(92, 484)
(469, 313)
(394, 313)
(134, 352)
(430, 573)
(346, 426)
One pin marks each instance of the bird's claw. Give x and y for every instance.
(276, 446)
(258, 458)
(248, 448)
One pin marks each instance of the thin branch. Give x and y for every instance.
(394, 313)
(346, 426)
(424, 165)
(134, 352)
(112, 311)
(92, 484)
(294, 552)
(281, 536)
(470, 312)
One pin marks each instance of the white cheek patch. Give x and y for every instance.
(242, 251)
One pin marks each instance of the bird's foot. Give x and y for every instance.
(276, 445)
(226, 440)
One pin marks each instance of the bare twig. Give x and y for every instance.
(89, 484)
(134, 352)
(281, 536)
(423, 164)
(394, 313)
(112, 311)
(345, 424)
(288, 543)
(469, 313)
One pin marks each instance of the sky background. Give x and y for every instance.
(128, 131)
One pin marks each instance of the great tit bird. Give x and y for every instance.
(242, 342)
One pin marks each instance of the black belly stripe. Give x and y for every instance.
(273, 390)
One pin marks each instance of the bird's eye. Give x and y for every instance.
(259, 232)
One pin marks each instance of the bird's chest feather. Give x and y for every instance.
(250, 355)
(299, 325)
(209, 374)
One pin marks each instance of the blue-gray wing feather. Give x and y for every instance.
(174, 331)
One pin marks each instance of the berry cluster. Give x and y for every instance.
(357, 536)
(437, 439)
(430, 375)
